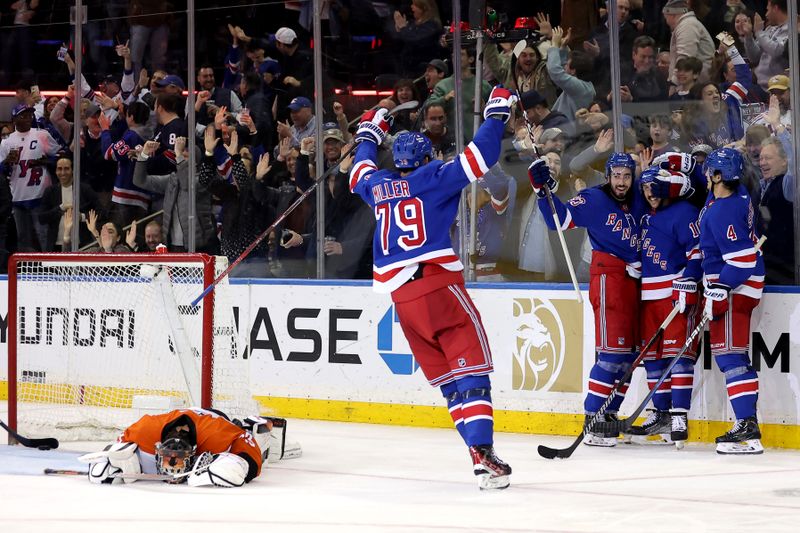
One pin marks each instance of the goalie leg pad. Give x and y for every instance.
(227, 470)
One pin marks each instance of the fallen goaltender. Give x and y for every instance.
(196, 446)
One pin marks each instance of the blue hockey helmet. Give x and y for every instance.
(620, 159)
(726, 161)
(410, 148)
(651, 175)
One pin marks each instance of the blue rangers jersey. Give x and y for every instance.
(727, 244)
(414, 213)
(732, 127)
(613, 226)
(125, 192)
(670, 248)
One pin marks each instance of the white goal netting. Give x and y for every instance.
(100, 341)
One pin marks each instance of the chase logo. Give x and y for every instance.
(393, 347)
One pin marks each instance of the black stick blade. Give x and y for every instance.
(547, 453)
(43, 444)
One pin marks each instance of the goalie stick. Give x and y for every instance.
(564, 453)
(412, 104)
(139, 477)
(47, 443)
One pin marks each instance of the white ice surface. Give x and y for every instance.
(361, 477)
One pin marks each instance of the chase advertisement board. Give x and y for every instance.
(334, 342)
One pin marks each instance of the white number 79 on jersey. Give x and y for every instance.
(407, 218)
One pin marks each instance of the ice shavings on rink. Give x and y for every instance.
(361, 477)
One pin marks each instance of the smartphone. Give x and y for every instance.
(285, 236)
(35, 89)
(62, 53)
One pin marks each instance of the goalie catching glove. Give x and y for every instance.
(501, 100)
(225, 470)
(540, 176)
(120, 458)
(374, 125)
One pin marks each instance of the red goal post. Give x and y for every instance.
(97, 340)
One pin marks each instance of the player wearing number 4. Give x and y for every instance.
(611, 215)
(194, 445)
(670, 254)
(733, 277)
(415, 262)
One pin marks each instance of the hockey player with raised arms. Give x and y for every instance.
(733, 279)
(415, 262)
(670, 255)
(198, 446)
(611, 215)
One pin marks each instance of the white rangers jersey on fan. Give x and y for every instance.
(414, 212)
(27, 181)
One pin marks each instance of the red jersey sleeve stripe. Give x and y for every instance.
(472, 162)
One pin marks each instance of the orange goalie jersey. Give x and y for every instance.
(213, 434)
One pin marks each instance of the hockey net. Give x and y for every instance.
(98, 340)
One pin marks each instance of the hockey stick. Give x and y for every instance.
(552, 453)
(48, 443)
(624, 425)
(138, 477)
(402, 107)
(203, 463)
(518, 48)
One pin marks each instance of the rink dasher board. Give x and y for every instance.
(334, 350)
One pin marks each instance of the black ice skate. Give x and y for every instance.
(655, 429)
(680, 428)
(604, 433)
(492, 472)
(744, 437)
(657, 422)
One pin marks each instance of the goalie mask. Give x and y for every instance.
(175, 453)
(175, 456)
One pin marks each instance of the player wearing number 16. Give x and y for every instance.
(415, 207)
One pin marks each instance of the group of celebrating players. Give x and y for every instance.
(658, 242)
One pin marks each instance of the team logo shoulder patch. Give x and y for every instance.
(577, 200)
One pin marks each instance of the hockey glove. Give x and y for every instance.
(121, 459)
(260, 428)
(501, 100)
(671, 184)
(716, 305)
(226, 470)
(675, 161)
(540, 175)
(373, 126)
(684, 292)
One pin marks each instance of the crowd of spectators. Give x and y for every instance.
(695, 75)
